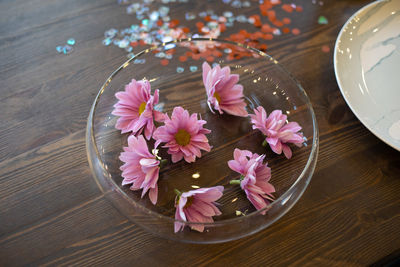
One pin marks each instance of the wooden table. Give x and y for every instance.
(52, 212)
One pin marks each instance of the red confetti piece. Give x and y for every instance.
(268, 36)
(287, 8)
(278, 23)
(173, 23)
(286, 20)
(325, 49)
(285, 30)
(182, 58)
(164, 62)
(296, 31)
(299, 9)
(210, 58)
(199, 25)
(266, 28)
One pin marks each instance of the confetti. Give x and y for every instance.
(322, 20)
(155, 26)
(59, 48)
(193, 68)
(180, 69)
(325, 49)
(190, 16)
(67, 49)
(139, 61)
(107, 41)
(71, 41)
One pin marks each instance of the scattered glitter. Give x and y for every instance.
(67, 49)
(325, 49)
(59, 48)
(228, 14)
(110, 33)
(71, 41)
(123, 43)
(202, 14)
(241, 18)
(233, 200)
(322, 20)
(195, 186)
(164, 62)
(246, 4)
(139, 61)
(196, 175)
(193, 68)
(156, 27)
(236, 4)
(107, 41)
(190, 16)
(296, 31)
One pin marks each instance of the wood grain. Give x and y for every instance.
(51, 211)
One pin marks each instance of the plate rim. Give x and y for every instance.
(338, 80)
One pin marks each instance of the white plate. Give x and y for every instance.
(367, 68)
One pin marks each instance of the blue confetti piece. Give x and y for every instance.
(59, 48)
(107, 41)
(71, 41)
(193, 68)
(67, 49)
(139, 61)
(180, 69)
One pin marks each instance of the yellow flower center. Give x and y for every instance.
(189, 202)
(142, 107)
(182, 137)
(218, 97)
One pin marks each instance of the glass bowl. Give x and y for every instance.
(175, 69)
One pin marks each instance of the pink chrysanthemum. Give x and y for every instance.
(184, 135)
(135, 107)
(197, 206)
(255, 177)
(278, 133)
(140, 168)
(223, 92)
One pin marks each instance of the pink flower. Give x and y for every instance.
(223, 92)
(278, 133)
(135, 107)
(197, 206)
(184, 135)
(255, 177)
(140, 168)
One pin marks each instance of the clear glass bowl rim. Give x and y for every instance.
(314, 148)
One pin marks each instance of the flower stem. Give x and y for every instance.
(235, 182)
(179, 193)
(163, 162)
(264, 143)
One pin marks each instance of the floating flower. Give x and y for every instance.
(135, 107)
(278, 133)
(254, 177)
(223, 92)
(197, 206)
(184, 135)
(140, 168)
